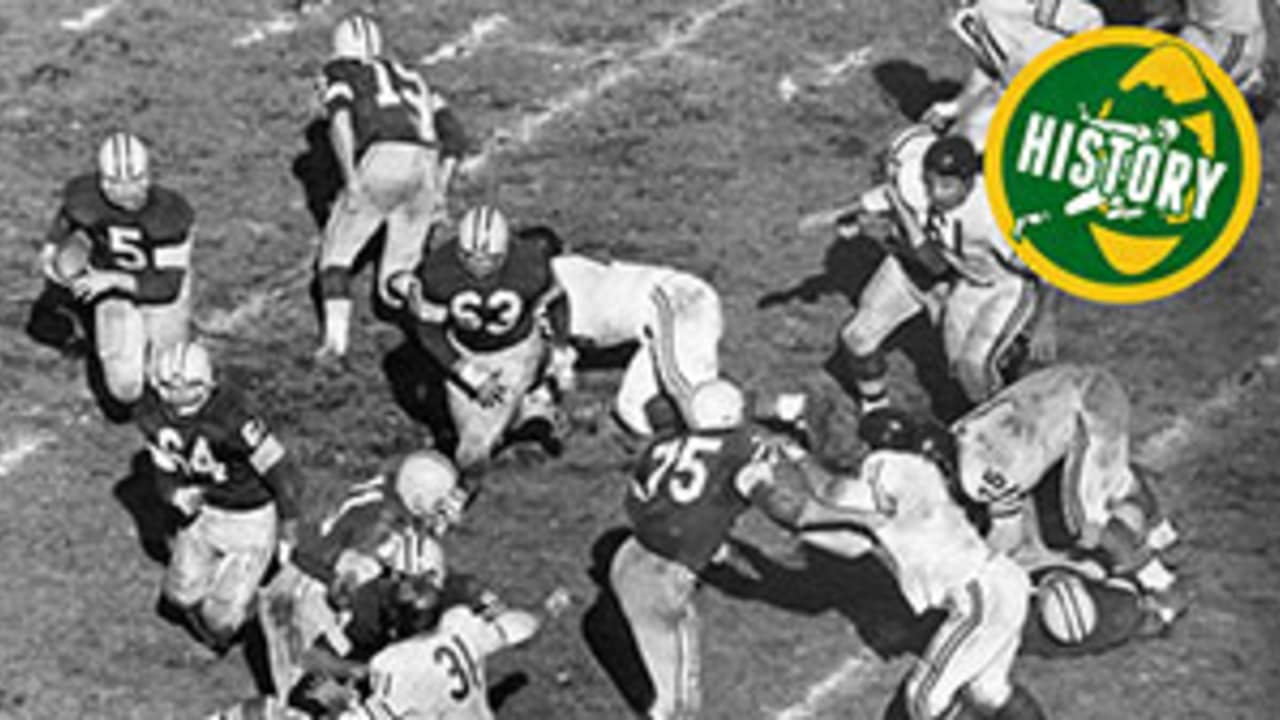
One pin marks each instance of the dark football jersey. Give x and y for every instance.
(143, 243)
(386, 100)
(222, 447)
(684, 498)
(491, 313)
(370, 520)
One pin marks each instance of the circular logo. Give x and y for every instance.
(1123, 165)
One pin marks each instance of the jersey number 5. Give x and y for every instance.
(126, 248)
(682, 463)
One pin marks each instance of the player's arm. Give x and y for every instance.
(451, 135)
(792, 506)
(273, 464)
(60, 230)
(338, 98)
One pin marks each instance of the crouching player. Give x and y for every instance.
(122, 248)
(1075, 613)
(904, 505)
(1077, 415)
(675, 317)
(392, 523)
(233, 484)
(439, 672)
(477, 300)
(687, 492)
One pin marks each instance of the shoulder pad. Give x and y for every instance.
(168, 215)
(82, 200)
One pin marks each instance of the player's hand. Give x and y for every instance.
(91, 284)
(557, 602)
(560, 368)
(490, 392)
(189, 499)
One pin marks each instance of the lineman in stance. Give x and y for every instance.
(397, 144)
(674, 316)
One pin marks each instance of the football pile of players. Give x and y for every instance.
(361, 613)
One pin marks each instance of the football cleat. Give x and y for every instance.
(483, 240)
(182, 375)
(716, 405)
(357, 36)
(123, 171)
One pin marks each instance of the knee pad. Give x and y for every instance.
(335, 282)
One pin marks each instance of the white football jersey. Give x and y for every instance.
(931, 546)
(1237, 16)
(1005, 35)
(438, 676)
(609, 302)
(971, 231)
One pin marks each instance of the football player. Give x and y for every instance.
(397, 144)
(439, 672)
(675, 317)
(478, 300)
(948, 259)
(1233, 33)
(904, 504)
(390, 523)
(1003, 36)
(232, 482)
(687, 492)
(1077, 415)
(121, 246)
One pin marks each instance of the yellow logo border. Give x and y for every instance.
(1194, 271)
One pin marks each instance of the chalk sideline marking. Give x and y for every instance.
(90, 17)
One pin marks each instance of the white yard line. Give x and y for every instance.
(19, 449)
(527, 128)
(790, 84)
(523, 131)
(90, 17)
(281, 23)
(843, 680)
(480, 32)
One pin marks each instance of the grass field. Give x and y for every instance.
(652, 130)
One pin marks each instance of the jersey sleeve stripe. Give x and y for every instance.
(338, 92)
(173, 257)
(266, 455)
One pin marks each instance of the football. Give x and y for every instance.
(72, 257)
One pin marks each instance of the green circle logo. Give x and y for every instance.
(1123, 165)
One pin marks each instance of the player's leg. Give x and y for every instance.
(980, 326)
(353, 220)
(656, 597)
(246, 542)
(688, 324)
(409, 223)
(480, 428)
(120, 341)
(639, 384)
(188, 579)
(168, 324)
(989, 656)
(887, 302)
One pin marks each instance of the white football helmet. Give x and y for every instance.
(483, 240)
(427, 484)
(182, 375)
(123, 171)
(357, 36)
(716, 405)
